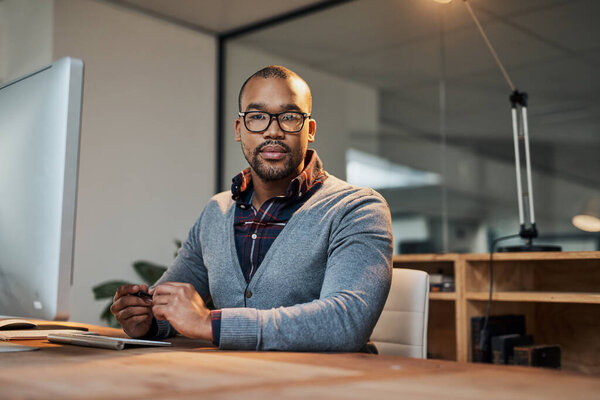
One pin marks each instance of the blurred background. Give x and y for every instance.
(407, 98)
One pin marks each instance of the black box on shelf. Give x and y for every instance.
(440, 282)
(539, 355)
(503, 347)
(497, 325)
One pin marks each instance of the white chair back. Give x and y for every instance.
(402, 327)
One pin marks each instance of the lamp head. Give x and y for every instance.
(589, 219)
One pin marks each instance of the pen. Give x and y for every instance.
(142, 294)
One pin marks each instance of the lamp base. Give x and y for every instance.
(528, 247)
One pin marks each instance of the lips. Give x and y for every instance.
(272, 152)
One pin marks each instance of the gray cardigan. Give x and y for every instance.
(321, 285)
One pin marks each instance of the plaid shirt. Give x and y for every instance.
(255, 230)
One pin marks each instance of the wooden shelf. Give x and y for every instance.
(419, 258)
(557, 292)
(535, 256)
(546, 297)
(447, 296)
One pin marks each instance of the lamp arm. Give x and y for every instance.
(518, 165)
(519, 100)
(528, 165)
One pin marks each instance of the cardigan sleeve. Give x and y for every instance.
(355, 286)
(189, 267)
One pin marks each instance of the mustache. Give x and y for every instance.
(271, 142)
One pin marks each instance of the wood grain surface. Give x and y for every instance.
(194, 370)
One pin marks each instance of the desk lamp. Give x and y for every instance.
(518, 101)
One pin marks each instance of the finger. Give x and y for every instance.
(118, 307)
(175, 284)
(129, 301)
(138, 316)
(164, 289)
(126, 290)
(172, 295)
(132, 300)
(129, 312)
(163, 299)
(160, 312)
(139, 319)
(173, 288)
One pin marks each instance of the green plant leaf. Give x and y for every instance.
(109, 317)
(148, 271)
(178, 244)
(107, 289)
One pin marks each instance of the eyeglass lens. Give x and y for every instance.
(258, 121)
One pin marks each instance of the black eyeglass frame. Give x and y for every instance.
(276, 116)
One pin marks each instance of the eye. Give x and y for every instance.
(290, 117)
(256, 116)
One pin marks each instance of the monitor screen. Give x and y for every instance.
(39, 154)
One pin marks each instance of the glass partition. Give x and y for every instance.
(408, 100)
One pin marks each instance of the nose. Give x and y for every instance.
(273, 130)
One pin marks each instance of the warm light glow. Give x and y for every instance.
(589, 219)
(587, 223)
(442, 1)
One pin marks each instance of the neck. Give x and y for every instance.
(264, 190)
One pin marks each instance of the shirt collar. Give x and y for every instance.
(313, 172)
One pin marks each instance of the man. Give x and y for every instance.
(292, 258)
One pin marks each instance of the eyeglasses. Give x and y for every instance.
(288, 121)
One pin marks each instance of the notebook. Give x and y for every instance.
(22, 329)
(30, 334)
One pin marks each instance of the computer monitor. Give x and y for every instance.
(39, 155)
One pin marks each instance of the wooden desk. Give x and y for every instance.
(191, 370)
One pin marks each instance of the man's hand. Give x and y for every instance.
(132, 312)
(182, 306)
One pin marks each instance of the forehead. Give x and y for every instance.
(276, 92)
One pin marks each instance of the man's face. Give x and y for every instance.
(274, 154)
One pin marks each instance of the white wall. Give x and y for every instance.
(147, 145)
(340, 107)
(25, 36)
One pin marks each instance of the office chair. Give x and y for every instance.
(402, 326)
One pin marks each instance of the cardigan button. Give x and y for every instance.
(248, 293)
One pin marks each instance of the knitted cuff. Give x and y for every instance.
(240, 329)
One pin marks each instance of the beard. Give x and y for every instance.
(268, 172)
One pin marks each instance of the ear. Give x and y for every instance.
(312, 129)
(238, 127)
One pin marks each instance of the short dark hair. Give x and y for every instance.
(274, 71)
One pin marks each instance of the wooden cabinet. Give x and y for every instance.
(559, 294)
